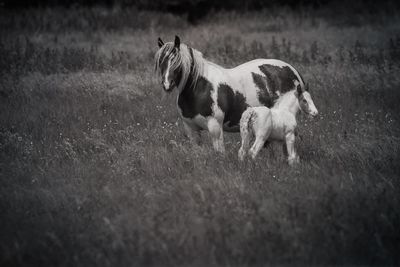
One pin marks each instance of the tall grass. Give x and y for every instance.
(95, 168)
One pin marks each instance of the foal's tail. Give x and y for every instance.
(246, 123)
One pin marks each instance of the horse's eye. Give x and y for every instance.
(304, 101)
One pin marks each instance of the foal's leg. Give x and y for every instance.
(192, 132)
(245, 135)
(261, 137)
(217, 134)
(292, 156)
(262, 130)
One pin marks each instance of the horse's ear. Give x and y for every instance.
(299, 91)
(177, 42)
(160, 42)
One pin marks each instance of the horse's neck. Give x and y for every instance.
(210, 64)
(289, 102)
(213, 71)
(208, 72)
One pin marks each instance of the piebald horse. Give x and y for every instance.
(275, 124)
(213, 98)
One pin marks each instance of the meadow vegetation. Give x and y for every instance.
(95, 169)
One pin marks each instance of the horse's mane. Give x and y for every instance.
(189, 60)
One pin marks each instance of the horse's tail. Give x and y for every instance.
(246, 124)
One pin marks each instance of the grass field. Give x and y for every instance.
(95, 169)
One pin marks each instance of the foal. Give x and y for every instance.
(275, 124)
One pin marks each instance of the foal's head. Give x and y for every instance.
(305, 102)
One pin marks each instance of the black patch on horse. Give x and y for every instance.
(233, 104)
(163, 61)
(277, 79)
(302, 79)
(264, 96)
(193, 101)
(178, 76)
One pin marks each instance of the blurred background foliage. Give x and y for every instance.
(196, 9)
(187, 5)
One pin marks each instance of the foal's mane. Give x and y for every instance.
(283, 98)
(188, 60)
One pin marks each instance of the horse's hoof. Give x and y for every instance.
(293, 161)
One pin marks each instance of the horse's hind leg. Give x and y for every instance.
(284, 149)
(217, 134)
(192, 133)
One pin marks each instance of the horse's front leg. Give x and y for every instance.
(192, 132)
(293, 158)
(217, 134)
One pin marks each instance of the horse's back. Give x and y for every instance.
(258, 62)
(261, 81)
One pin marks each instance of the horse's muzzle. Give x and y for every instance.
(313, 114)
(168, 86)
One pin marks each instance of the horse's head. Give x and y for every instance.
(305, 102)
(168, 61)
(178, 64)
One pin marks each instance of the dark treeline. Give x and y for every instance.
(162, 4)
(196, 9)
(187, 5)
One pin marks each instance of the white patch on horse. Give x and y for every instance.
(166, 81)
(215, 77)
(200, 120)
(242, 74)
